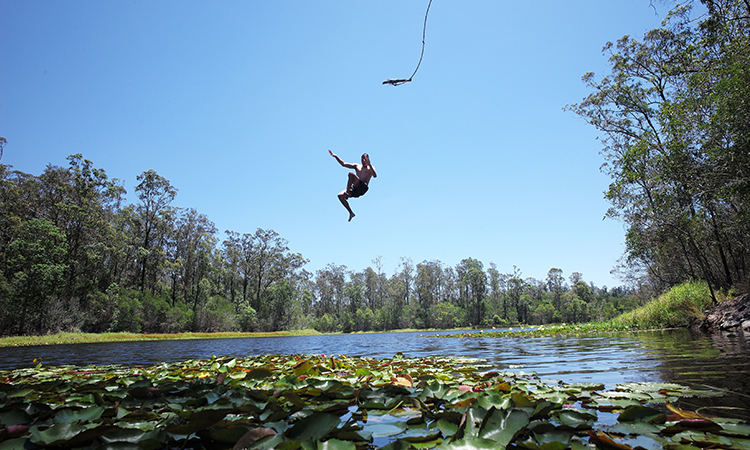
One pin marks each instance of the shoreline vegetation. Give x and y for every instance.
(90, 338)
(681, 307)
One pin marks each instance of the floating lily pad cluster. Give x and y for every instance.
(318, 402)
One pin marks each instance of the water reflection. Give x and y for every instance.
(719, 360)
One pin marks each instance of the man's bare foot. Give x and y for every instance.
(351, 216)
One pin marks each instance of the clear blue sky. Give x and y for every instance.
(236, 103)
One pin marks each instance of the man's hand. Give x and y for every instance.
(338, 159)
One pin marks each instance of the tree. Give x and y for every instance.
(473, 282)
(675, 121)
(35, 262)
(190, 249)
(19, 197)
(583, 292)
(80, 199)
(556, 285)
(428, 285)
(517, 311)
(329, 288)
(258, 261)
(155, 193)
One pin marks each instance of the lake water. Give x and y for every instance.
(721, 361)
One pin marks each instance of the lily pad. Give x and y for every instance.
(313, 427)
(502, 426)
(641, 413)
(308, 401)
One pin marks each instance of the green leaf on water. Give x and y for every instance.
(199, 420)
(335, 444)
(58, 434)
(420, 435)
(471, 444)
(447, 427)
(702, 439)
(14, 417)
(379, 430)
(259, 373)
(735, 429)
(72, 415)
(575, 419)
(318, 402)
(13, 444)
(634, 428)
(313, 427)
(641, 413)
(550, 440)
(503, 426)
(303, 368)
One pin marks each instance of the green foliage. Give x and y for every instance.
(216, 315)
(674, 117)
(681, 306)
(326, 324)
(35, 264)
(448, 315)
(304, 401)
(248, 319)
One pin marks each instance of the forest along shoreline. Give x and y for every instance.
(732, 315)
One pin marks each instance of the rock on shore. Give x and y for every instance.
(729, 315)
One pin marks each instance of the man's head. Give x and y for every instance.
(365, 159)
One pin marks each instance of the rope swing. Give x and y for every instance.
(398, 82)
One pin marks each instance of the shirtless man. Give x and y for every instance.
(356, 185)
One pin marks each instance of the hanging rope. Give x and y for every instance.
(398, 82)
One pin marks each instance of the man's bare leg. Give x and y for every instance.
(342, 197)
(351, 182)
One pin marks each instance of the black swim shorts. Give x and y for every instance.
(358, 189)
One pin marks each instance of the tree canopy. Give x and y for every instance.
(675, 124)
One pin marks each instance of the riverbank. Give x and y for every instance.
(87, 338)
(683, 306)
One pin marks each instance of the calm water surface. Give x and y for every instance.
(721, 361)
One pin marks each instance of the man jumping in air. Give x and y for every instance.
(358, 181)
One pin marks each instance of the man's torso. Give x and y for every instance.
(364, 173)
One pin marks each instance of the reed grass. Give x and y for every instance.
(79, 338)
(680, 307)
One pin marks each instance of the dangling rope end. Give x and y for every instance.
(399, 82)
(396, 82)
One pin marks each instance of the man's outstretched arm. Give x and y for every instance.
(347, 165)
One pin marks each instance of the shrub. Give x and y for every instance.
(216, 315)
(448, 315)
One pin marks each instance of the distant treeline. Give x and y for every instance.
(75, 256)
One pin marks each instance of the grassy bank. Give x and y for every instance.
(680, 307)
(79, 338)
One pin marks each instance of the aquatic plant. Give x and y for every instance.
(338, 402)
